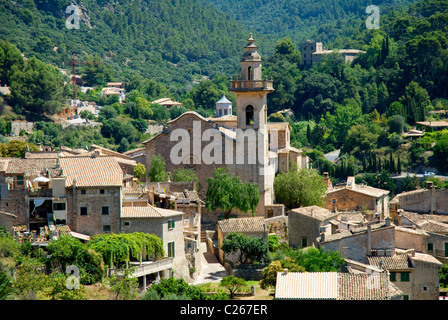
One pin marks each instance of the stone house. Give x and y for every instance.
(360, 242)
(92, 189)
(251, 226)
(428, 200)
(333, 286)
(165, 224)
(306, 225)
(354, 197)
(7, 220)
(415, 274)
(424, 234)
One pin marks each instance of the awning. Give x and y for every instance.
(41, 179)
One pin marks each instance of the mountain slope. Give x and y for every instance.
(299, 19)
(170, 41)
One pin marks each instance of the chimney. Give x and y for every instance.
(369, 239)
(285, 271)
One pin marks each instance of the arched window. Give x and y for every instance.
(249, 114)
(249, 73)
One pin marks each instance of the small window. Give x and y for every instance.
(101, 191)
(83, 191)
(404, 277)
(171, 249)
(83, 211)
(405, 297)
(393, 276)
(59, 206)
(127, 223)
(106, 228)
(424, 288)
(171, 224)
(104, 210)
(304, 242)
(430, 246)
(20, 180)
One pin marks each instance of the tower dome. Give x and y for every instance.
(223, 107)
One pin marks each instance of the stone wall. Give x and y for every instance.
(355, 247)
(302, 227)
(425, 201)
(94, 222)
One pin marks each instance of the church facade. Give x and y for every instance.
(246, 144)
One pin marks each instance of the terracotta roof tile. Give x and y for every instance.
(306, 285)
(92, 171)
(242, 225)
(395, 262)
(147, 212)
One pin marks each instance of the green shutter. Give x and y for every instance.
(404, 276)
(393, 277)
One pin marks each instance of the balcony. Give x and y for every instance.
(147, 267)
(251, 85)
(40, 193)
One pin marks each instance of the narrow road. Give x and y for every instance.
(212, 270)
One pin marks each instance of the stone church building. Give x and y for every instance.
(246, 144)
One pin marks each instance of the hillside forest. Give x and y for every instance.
(188, 50)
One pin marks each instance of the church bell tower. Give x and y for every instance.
(251, 91)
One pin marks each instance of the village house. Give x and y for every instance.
(312, 53)
(334, 286)
(251, 226)
(429, 242)
(359, 242)
(115, 89)
(415, 274)
(306, 225)
(167, 102)
(428, 200)
(358, 197)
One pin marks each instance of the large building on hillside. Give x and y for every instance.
(245, 143)
(312, 53)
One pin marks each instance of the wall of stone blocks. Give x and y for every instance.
(94, 221)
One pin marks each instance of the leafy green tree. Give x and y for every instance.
(17, 148)
(227, 192)
(11, 60)
(30, 279)
(139, 170)
(124, 287)
(95, 72)
(68, 251)
(156, 171)
(60, 290)
(415, 100)
(117, 249)
(184, 175)
(299, 188)
(269, 273)
(206, 94)
(169, 286)
(233, 284)
(317, 260)
(443, 276)
(410, 183)
(396, 124)
(6, 288)
(248, 248)
(38, 88)
(359, 140)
